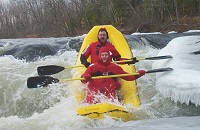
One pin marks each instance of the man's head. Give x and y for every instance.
(104, 55)
(102, 35)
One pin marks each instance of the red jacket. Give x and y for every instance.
(105, 86)
(93, 50)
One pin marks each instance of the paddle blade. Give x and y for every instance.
(49, 69)
(159, 70)
(159, 57)
(40, 81)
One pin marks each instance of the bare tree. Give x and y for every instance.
(176, 8)
(20, 18)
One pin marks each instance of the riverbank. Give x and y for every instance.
(182, 25)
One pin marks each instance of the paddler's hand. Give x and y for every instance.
(134, 60)
(86, 78)
(141, 73)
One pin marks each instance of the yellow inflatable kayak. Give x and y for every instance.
(128, 90)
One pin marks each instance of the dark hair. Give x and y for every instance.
(103, 29)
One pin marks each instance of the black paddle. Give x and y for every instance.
(49, 69)
(43, 81)
(53, 69)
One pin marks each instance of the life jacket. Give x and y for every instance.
(93, 51)
(105, 86)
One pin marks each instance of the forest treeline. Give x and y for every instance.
(43, 18)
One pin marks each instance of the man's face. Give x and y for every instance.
(102, 36)
(104, 56)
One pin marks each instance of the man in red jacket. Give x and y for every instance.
(93, 50)
(106, 86)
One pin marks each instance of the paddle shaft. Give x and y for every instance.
(53, 69)
(100, 77)
(43, 81)
(138, 58)
(120, 75)
(149, 58)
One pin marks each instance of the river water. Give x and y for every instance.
(54, 107)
